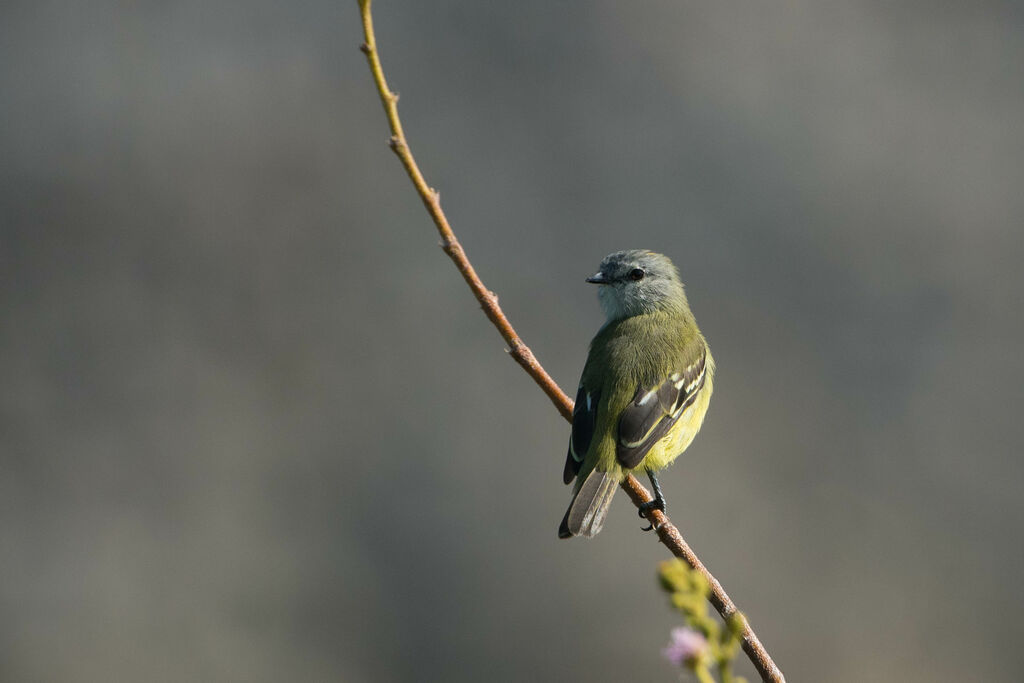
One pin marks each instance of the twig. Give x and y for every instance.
(667, 532)
(432, 200)
(673, 540)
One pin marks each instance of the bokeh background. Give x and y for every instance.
(254, 427)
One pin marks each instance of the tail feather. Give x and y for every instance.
(589, 506)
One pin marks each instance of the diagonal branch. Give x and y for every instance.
(667, 532)
(432, 200)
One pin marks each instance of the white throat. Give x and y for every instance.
(611, 303)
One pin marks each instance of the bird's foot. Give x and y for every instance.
(644, 508)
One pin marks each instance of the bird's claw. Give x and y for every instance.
(644, 508)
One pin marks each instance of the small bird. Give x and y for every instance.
(645, 388)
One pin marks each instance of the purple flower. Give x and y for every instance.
(685, 647)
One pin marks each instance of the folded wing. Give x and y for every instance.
(654, 410)
(584, 420)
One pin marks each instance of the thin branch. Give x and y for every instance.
(673, 540)
(667, 532)
(432, 200)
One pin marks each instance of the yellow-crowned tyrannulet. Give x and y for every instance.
(645, 388)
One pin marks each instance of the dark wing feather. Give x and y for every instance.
(652, 412)
(584, 419)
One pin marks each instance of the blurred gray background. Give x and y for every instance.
(254, 427)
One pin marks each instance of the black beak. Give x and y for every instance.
(598, 279)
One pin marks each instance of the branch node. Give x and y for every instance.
(489, 302)
(365, 49)
(396, 143)
(518, 349)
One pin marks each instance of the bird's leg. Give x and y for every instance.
(657, 504)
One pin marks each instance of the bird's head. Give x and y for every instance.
(637, 281)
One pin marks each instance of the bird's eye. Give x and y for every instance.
(637, 274)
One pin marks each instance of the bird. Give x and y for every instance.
(645, 388)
